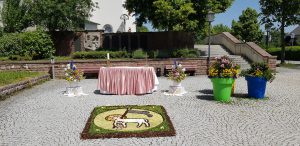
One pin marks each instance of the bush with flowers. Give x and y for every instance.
(72, 74)
(260, 70)
(177, 73)
(223, 68)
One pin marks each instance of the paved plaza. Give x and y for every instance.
(42, 115)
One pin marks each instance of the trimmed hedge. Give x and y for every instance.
(35, 45)
(291, 53)
(100, 55)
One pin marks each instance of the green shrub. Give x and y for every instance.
(99, 55)
(291, 52)
(153, 53)
(37, 45)
(19, 58)
(186, 53)
(164, 54)
(139, 54)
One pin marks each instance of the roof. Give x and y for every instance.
(89, 21)
(296, 31)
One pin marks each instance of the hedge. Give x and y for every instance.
(35, 45)
(291, 53)
(100, 55)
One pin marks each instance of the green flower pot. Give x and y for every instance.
(222, 88)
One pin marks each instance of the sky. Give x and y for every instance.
(235, 11)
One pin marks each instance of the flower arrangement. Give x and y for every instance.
(223, 68)
(261, 70)
(72, 74)
(177, 73)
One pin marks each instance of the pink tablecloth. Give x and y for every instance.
(126, 80)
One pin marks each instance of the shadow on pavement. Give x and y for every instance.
(206, 91)
(205, 97)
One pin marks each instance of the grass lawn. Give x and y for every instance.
(9, 77)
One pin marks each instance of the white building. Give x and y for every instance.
(110, 14)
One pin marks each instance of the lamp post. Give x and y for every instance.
(268, 29)
(52, 62)
(292, 38)
(210, 18)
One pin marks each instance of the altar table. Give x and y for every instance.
(127, 80)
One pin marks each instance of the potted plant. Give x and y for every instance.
(73, 75)
(222, 73)
(257, 77)
(177, 74)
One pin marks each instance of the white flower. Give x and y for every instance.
(68, 66)
(179, 65)
(173, 66)
(183, 69)
(66, 74)
(65, 69)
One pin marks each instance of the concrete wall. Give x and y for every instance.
(109, 12)
(249, 50)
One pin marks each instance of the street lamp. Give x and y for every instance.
(52, 62)
(292, 38)
(268, 29)
(210, 18)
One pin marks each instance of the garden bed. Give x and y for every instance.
(20, 82)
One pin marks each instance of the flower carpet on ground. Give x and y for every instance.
(128, 121)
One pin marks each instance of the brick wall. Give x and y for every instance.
(158, 64)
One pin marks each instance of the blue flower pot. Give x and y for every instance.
(256, 86)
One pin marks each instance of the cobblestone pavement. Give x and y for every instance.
(42, 115)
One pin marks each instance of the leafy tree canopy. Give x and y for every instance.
(142, 29)
(187, 15)
(247, 27)
(15, 15)
(219, 28)
(284, 12)
(61, 15)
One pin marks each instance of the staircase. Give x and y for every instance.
(217, 50)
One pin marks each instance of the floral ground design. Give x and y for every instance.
(128, 121)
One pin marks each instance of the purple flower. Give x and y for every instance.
(222, 65)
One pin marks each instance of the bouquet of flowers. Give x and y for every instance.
(72, 73)
(261, 70)
(223, 68)
(177, 73)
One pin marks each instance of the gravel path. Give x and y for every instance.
(42, 115)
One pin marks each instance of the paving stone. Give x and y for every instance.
(42, 115)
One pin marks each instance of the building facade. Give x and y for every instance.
(112, 16)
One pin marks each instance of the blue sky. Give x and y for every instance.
(235, 11)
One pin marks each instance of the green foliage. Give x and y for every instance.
(37, 45)
(282, 12)
(19, 58)
(189, 15)
(247, 27)
(61, 15)
(185, 53)
(15, 15)
(139, 54)
(219, 28)
(9, 77)
(99, 55)
(142, 29)
(261, 70)
(292, 52)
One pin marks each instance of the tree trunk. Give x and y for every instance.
(282, 41)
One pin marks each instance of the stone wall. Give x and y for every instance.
(59, 66)
(250, 50)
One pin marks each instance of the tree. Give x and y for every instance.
(247, 27)
(186, 15)
(15, 16)
(142, 29)
(283, 12)
(219, 28)
(63, 15)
